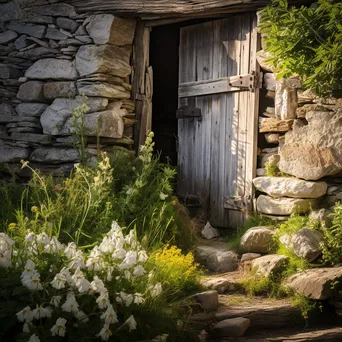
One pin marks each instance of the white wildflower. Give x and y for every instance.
(95, 261)
(32, 281)
(110, 270)
(138, 298)
(81, 316)
(97, 285)
(124, 298)
(163, 196)
(25, 315)
(34, 338)
(6, 259)
(77, 261)
(105, 333)
(59, 328)
(127, 275)
(142, 256)
(139, 271)
(129, 261)
(55, 301)
(26, 328)
(59, 281)
(70, 304)
(54, 246)
(132, 324)
(30, 237)
(80, 281)
(119, 253)
(156, 289)
(107, 245)
(41, 312)
(110, 316)
(70, 250)
(43, 239)
(103, 301)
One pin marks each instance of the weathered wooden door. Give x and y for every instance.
(217, 116)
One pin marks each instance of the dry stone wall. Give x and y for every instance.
(51, 58)
(300, 154)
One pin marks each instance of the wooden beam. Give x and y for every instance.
(153, 10)
(217, 86)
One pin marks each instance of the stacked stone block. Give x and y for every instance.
(51, 61)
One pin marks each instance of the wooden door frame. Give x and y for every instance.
(142, 92)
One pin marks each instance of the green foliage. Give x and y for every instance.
(136, 192)
(273, 171)
(305, 305)
(292, 225)
(79, 129)
(306, 41)
(254, 220)
(257, 285)
(176, 271)
(332, 247)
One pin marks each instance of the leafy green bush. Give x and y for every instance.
(52, 289)
(306, 41)
(177, 272)
(135, 191)
(332, 247)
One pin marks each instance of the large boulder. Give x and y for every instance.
(283, 205)
(110, 29)
(107, 124)
(106, 59)
(217, 260)
(269, 264)
(290, 187)
(257, 239)
(316, 283)
(306, 243)
(314, 151)
(52, 68)
(55, 116)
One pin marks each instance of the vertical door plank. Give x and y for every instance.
(252, 122)
(187, 73)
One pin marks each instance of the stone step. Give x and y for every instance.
(263, 312)
(331, 334)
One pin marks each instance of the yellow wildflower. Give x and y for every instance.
(12, 225)
(34, 209)
(108, 203)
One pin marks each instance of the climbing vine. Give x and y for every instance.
(306, 41)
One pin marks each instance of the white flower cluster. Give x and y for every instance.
(116, 253)
(6, 249)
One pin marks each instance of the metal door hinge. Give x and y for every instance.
(250, 81)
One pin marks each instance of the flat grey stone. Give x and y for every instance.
(208, 300)
(56, 34)
(53, 90)
(37, 31)
(52, 68)
(32, 91)
(231, 327)
(290, 187)
(54, 155)
(7, 37)
(67, 24)
(10, 154)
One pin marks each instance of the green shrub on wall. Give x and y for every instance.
(306, 41)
